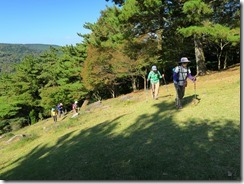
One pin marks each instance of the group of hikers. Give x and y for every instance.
(58, 111)
(180, 75)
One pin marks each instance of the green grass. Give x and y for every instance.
(137, 139)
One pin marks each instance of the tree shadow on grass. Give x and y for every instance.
(188, 100)
(152, 147)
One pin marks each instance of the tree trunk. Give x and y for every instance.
(219, 56)
(133, 83)
(112, 90)
(200, 58)
(222, 45)
(85, 104)
(219, 61)
(145, 82)
(86, 101)
(225, 61)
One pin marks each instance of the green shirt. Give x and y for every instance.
(154, 76)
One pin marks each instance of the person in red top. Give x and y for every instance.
(75, 107)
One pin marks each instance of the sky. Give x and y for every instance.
(47, 21)
(54, 22)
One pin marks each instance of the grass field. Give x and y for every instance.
(133, 137)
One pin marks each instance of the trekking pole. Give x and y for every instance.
(195, 86)
(195, 90)
(146, 91)
(196, 99)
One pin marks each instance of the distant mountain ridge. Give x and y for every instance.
(14, 53)
(36, 47)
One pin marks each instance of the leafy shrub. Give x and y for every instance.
(32, 116)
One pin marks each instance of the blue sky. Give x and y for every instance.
(47, 21)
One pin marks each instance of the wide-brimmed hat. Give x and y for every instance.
(184, 60)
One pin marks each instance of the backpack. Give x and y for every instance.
(180, 72)
(158, 73)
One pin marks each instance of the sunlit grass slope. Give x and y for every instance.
(133, 137)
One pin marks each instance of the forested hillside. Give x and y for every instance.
(13, 53)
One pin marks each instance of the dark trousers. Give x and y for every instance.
(60, 113)
(180, 93)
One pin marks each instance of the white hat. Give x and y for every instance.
(184, 60)
(154, 68)
(76, 102)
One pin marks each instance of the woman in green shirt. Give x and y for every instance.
(154, 76)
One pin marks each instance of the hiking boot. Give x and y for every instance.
(176, 104)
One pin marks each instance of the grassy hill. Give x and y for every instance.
(14, 53)
(133, 137)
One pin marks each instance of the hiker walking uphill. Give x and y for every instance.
(75, 108)
(180, 75)
(54, 114)
(154, 76)
(60, 110)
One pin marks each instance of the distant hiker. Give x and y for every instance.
(60, 109)
(54, 114)
(180, 75)
(154, 76)
(75, 107)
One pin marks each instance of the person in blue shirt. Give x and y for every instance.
(60, 109)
